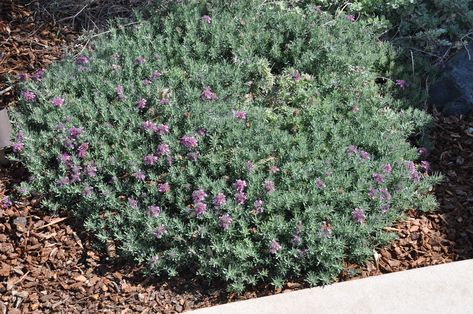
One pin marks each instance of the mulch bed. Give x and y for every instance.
(49, 265)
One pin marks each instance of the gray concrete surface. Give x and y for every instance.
(442, 289)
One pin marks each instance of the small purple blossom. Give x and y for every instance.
(384, 208)
(188, 141)
(150, 160)
(351, 18)
(28, 96)
(200, 209)
(163, 150)
(371, 192)
(319, 183)
(423, 152)
(90, 170)
(402, 84)
(274, 169)
(207, 19)
(133, 203)
(225, 221)
(162, 129)
(74, 132)
(119, 92)
(274, 247)
(18, 147)
(6, 202)
(249, 166)
(240, 198)
(258, 206)
(352, 149)
(154, 211)
(364, 155)
(149, 126)
(147, 82)
(88, 191)
(387, 168)
(64, 158)
(141, 104)
(384, 194)
(115, 67)
(57, 102)
(269, 186)
(219, 200)
(201, 132)
(82, 150)
(160, 231)
(164, 187)
(239, 185)
(208, 94)
(63, 182)
(425, 165)
(155, 75)
(22, 77)
(139, 60)
(355, 109)
(378, 178)
(199, 195)
(38, 75)
(82, 60)
(139, 175)
(296, 75)
(193, 156)
(358, 215)
(239, 115)
(164, 101)
(75, 173)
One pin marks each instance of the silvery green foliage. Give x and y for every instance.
(247, 142)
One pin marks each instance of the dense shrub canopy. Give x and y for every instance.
(247, 142)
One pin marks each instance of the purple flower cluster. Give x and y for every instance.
(274, 169)
(82, 60)
(378, 178)
(141, 104)
(162, 129)
(38, 75)
(358, 215)
(352, 150)
(160, 231)
(402, 84)
(19, 144)
(82, 150)
(269, 186)
(240, 186)
(57, 102)
(208, 94)
(258, 206)
(239, 115)
(139, 60)
(274, 247)
(163, 150)
(225, 221)
(425, 165)
(199, 196)
(154, 211)
(119, 92)
(147, 82)
(188, 141)
(6, 202)
(150, 159)
(219, 200)
(87, 191)
(383, 194)
(164, 187)
(133, 203)
(296, 76)
(155, 75)
(139, 175)
(387, 168)
(319, 183)
(207, 19)
(423, 152)
(28, 96)
(414, 174)
(351, 18)
(200, 209)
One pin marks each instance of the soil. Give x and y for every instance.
(49, 265)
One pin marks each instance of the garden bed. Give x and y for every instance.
(49, 263)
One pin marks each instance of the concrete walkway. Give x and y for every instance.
(442, 289)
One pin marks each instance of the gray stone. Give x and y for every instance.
(5, 135)
(452, 93)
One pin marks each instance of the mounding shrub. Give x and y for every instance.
(246, 142)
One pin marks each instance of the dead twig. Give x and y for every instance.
(55, 221)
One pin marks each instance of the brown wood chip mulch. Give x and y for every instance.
(48, 265)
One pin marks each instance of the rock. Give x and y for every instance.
(452, 93)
